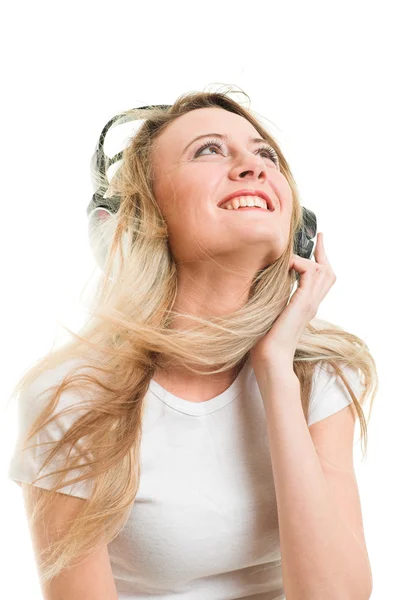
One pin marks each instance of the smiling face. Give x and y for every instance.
(190, 182)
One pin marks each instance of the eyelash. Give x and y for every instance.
(271, 152)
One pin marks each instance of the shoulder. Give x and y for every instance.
(326, 378)
(36, 396)
(329, 393)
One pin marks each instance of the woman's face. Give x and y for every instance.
(190, 182)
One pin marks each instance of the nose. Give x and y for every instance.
(250, 166)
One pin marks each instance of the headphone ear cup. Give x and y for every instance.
(304, 244)
(98, 244)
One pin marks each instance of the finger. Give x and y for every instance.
(302, 264)
(320, 254)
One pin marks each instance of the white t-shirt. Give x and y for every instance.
(204, 524)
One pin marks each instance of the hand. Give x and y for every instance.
(316, 279)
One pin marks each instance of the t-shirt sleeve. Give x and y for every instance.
(26, 463)
(328, 392)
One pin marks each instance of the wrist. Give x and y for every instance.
(276, 370)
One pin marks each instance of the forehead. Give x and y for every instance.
(200, 121)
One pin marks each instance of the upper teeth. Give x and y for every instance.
(238, 201)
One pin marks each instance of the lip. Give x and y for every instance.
(258, 193)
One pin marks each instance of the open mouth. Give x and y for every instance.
(249, 201)
(241, 208)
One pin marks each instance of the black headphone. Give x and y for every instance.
(100, 208)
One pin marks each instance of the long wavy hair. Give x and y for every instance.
(128, 330)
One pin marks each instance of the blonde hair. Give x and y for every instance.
(129, 329)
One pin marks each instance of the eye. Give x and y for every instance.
(208, 144)
(267, 151)
(270, 153)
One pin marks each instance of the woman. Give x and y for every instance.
(202, 406)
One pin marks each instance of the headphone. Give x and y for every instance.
(100, 208)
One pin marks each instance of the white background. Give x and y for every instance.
(325, 75)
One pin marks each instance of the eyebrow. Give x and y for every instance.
(222, 137)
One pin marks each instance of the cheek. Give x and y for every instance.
(175, 198)
(191, 191)
(198, 179)
(285, 200)
(283, 191)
